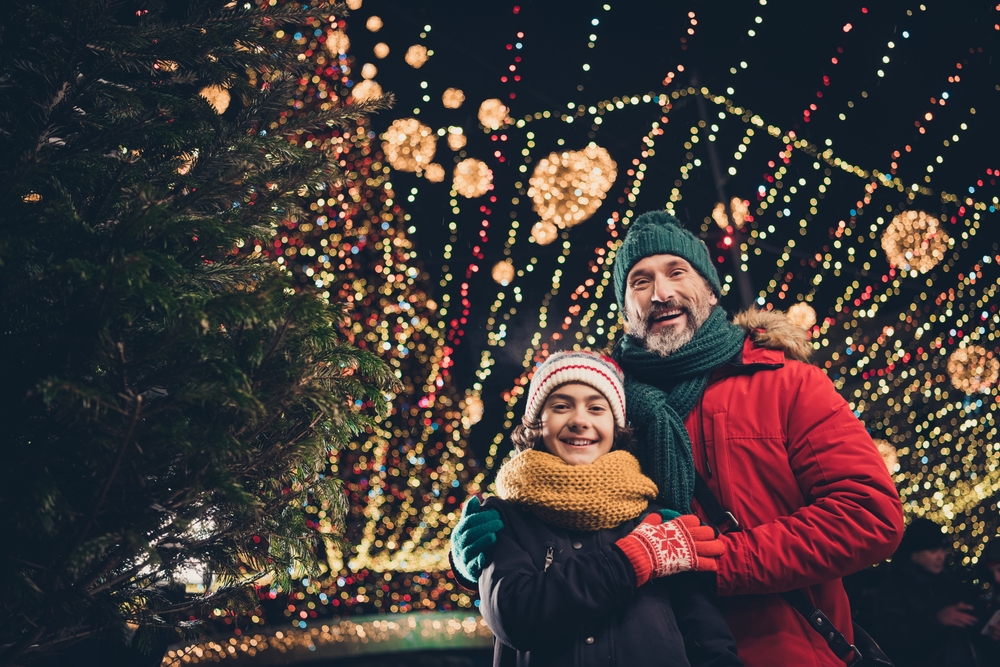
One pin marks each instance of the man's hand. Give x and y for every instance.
(658, 548)
(473, 538)
(957, 616)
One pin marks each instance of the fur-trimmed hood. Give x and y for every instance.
(773, 330)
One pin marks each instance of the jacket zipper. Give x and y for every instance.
(704, 439)
(548, 559)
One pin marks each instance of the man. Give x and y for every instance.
(778, 447)
(924, 615)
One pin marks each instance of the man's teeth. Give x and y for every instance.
(667, 315)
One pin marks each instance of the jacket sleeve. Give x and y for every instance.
(526, 606)
(852, 516)
(708, 641)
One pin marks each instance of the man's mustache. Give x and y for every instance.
(665, 306)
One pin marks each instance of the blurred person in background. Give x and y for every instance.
(923, 614)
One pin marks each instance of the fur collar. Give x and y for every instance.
(773, 330)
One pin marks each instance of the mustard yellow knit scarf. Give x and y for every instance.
(598, 496)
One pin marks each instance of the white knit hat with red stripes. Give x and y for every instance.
(586, 367)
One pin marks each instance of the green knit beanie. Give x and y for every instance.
(659, 233)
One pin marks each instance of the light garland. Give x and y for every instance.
(409, 145)
(973, 369)
(914, 241)
(883, 336)
(343, 639)
(492, 114)
(567, 188)
(472, 178)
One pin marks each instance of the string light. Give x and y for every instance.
(381, 50)
(367, 90)
(889, 455)
(452, 98)
(567, 188)
(973, 369)
(217, 96)
(188, 160)
(341, 639)
(503, 272)
(472, 178)
(409, 145)
(802, 315)
(720, 216)
(338, 42)
(416, 56)
(544, 232)
(434, 173)
(493, 114)
(914, 241)
(456, 138)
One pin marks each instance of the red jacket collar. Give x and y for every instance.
(754, 355)
(753, 358)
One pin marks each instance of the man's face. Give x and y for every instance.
(666, 302)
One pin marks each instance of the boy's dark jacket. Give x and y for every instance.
(583, 608)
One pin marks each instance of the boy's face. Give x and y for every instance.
(577, 424)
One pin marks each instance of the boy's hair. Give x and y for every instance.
(529, 436)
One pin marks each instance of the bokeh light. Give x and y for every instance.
(452, 98)
(567, 188)
(416, 56)
(409, 145)
(472, 178)
(973, 369)
(915, 241)
(492, 114)
(217, 96)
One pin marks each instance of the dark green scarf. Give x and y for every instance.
(660, 392)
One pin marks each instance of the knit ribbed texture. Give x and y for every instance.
(599, 496)
(659, 233)
(660, 392)
(583, 366)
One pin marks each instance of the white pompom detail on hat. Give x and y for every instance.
(586, 367)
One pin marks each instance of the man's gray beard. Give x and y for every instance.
(664, 343)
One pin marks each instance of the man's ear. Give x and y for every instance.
(712, 299)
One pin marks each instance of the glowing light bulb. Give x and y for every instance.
(567, 188)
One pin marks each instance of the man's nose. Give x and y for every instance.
(663, 289)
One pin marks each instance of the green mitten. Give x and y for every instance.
(474, 538)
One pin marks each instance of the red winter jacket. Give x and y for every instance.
(785, 454)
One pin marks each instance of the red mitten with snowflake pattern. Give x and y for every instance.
(658, 548)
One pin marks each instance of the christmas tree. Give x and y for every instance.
(171, 397)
